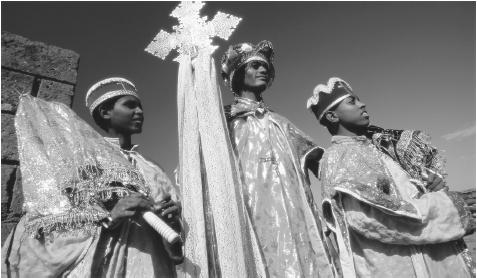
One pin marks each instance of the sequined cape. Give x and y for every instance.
(413, 150)
(68, 170)
(272, 156)
(384, 225)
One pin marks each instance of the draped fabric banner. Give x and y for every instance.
(67, 168)
(219, 241)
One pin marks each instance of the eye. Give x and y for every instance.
(255, 65)
(131, 104)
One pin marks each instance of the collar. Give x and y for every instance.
(245, 106)
(339, 139)
(115, 142)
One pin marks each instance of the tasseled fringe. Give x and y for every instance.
(94, 185)
(416, 152)
(96, 176)
(72, 221)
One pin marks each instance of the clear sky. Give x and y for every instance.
(412, 63)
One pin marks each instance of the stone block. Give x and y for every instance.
(14, 83)
(9, 138)
(56, 91)
(38, 58)
(8, 182)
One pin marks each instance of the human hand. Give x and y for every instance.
(434, 180)
(128, 206)
(168, 209)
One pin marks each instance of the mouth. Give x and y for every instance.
(365, 114)
(138, 120)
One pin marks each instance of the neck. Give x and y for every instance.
(124, 139)
(347, 131)
(255, 96)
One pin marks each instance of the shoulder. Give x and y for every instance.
(151, 162)
(340, 154)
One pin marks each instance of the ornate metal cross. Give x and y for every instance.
(193, 32)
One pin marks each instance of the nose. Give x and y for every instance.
(138, 110)
(262, 69)
(361, 104)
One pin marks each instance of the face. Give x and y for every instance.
(127, 116)
(352, 112)
(256, 75)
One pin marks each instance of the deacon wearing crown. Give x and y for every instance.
(272, 155)
(85, 199)
(389, 217)
(129, 247)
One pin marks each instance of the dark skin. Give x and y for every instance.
(352, 119)
(124, 119)
(255, 80)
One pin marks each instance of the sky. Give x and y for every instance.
(412, 63)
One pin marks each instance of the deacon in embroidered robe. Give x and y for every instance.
(272, 155)
(386, 222)
(118, 243)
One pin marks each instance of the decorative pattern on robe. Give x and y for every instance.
(272, 152)
(133, 249)
(383, 224)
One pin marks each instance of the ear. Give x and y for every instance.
(331, 116)
(104, 113)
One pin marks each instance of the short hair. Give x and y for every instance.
(332, 127)
(238, 79)
(107, 105)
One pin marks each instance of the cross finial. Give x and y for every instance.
(193, 32)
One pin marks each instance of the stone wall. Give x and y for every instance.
(44, 71)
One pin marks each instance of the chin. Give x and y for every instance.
(135, 130)
(364, 124)
(260, 87)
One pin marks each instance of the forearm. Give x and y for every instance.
(439, 221)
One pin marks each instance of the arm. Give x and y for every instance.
(440, 221)
(375, 209)
(308, 152)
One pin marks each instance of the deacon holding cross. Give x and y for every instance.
(247, 204)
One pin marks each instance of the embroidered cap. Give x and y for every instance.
(240, 54)
(107, 89)
(326, 96)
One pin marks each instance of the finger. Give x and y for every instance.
(123, 214)
(139, 204)
(438, 185)
(162, 206)
(146, 204)
(172, 210)
(431, 178)
(166, 198)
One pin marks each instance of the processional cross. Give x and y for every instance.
(194, 32)
(212, 206)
